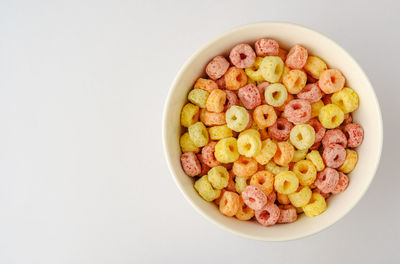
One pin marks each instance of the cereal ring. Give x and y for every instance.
(244, 212)
(288, 214)
(283, 198)
(315, 66)
(219, 132)
(218, 177)
(187, 144)
(226, 150)
(249, 143)
(204, 167)
(311, 93)
(316, 206)
(198, 134)
(231, 183)
(342, 184)
(331, 116)
(298, 111)
(271, 68)
(190, 164)
(294, 81)
(263, 180)
(301, 197)
(244, 167)
(331, 81)
(242, 56)
(205, 189)
(282, 54)
(250, 96)
(299, 154)
(216, 101)
(272, 197)
(254, 72)
(205, 84)
(217, 67)
(286, 182)
(261, 89)
(327, 180)
(263, 132)
(275, 169)
(254, 197)
(212, 119)
(266, 47)
(280, 130)
(264, 116)
(334, 155)
(198, 97)
(207, 155)
(268, 215)
(240, 184)
(231, 99)
(350, 162)
(318, 128)
(237, 118)
(229, 204)
(305, 172)
(235, 78)
(334, 136)
(297, 57)
(289, 98)
(315, 108)
(267, 152)
(355, 135)
(302, 136)
(275, 94)
(189, 115)
(284, 153)
(316, 159)
(346, 99)
(221, 82)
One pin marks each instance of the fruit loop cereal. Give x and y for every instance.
(269, 134)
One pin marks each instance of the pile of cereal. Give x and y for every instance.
(270, 134)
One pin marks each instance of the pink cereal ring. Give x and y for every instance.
(268, 215)
(267, 47)
(280, 130)
(297, 57)
(331, 81)
(323, 194)
(298, 111)
(311, 93)
(250, 96)
(334, 155)
(334, 136)
(242, 56)
(288, 214)
(231, 99)
(190, 164)
(327, 180)
(217, 67)
(207, 155)
(342, 184)
(204, 167)
(355, 134)
(271, 197)
(221, 82)
(318, 128)
(261, 89)
(254, 197)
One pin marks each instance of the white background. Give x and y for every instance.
(83, 177)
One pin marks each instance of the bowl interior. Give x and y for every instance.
(368, 115)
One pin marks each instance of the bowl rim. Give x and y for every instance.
(168, 157)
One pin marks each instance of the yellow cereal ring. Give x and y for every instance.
(316, 206)
(268, 150)
(301, 198)
(346, 99)
(275, 169)
(350, 162)
(198, 134)
(189, 115)
(263, 180)
(316, 159)
(187, 144)
(226, 150)
(294, 81)
(275, 94)
(315, 66)
(299, 154)
(219, 132)
(284, 153)
(240, 184)
(254, 72)
(271, 68)
(302, 136)
(198, 97)
(305, 172)
(331, 116)
(206, 85)
(282, 198)
(205, 189)
(249, 143)
(315, 108)
(218, 177)
(244, 212)
(286, 182)
(216, 101)
(237, 118)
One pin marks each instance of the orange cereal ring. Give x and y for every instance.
(244, 213)
(282, 54)
(229, 203)
(231, 183)
(263, 180)
(331, 81)
(212, 119)
(283, 198)
(264, 116)
(216, 101)
(284, 153)
(205, 84)
(235, 78)
(244, 167)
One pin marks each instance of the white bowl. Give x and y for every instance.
(368, 115)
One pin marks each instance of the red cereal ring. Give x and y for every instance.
(334, 155)
(271, 196)
(204, 167)
(342, 184)
(311, 93)
(254, 197)
(315, 146)
(355, 134)
(280, 130)
(250, 96)
(242, 56)
(217, 67)
(207, 155)
(267, 47)
(298, 111)
(288, 214)
(231, 184)
(268, 215)
(261, 89)
(323, 194)
(190, 164)
(327, 180)
(318, 128)
(334, 136)
(231, 99)
(221, 82)
(327, 99)
(297, 57)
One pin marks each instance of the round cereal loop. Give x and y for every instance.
(190, 164)
(198, 97)
(295, 81)
(187, 144)
(221, 83)
(207, 155)
(244, 212)
(331, 81)
(211, 118)
(298, 111)
(263, 180)
(311, 93)
(355, 135)
(350, 162)
(315, 66)
(302, 136)
(264, 116)
(219, 132)
(282, 54)
(327, 180)
(334, 136)
(205, 189)
(288, 214)
(205, 84)
(244, 167)
(299, 154)
(346, 99)
(334, 155)
(216, 101)
(189, 115)
(231, 183)
(198, 134)
(217, 67)
(235, 78)
(275, 94)
(280, 130)
(286, 182)
(204, 167)
(281, 108)
(305, 171)
(250, 96)
(342, 184)
(266, 47)
(271, 68)
(254, 72)
(283, 198)
(231, 99)
(275, 169)
(315, 108)
(301, 197)
(254, 197)
(219, 177)
(284, 153)
(237, 118)
(316, 159)
(261, 89)
(268, 215)
(272, 197)
(316, 206)
(318, 129)
(242, 56)
(226, 150)
(297, 57)
(249, 143)
(229, 204)
(240, 184)
(267, 152)
(331, 116)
